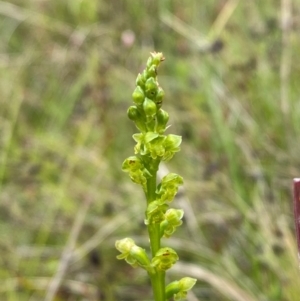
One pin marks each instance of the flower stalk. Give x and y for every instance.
(152, 147)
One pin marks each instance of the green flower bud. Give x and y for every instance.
(149, 108)
(159, 97)
(149, 61)
(162, 118)
(138, 96)
(172, 221)
(151, 124)
(140, 81)
(171, 144)
(152, 72)
(134, 114)
(151, 88)
(157, 58)
(178, 289)
(164, 259)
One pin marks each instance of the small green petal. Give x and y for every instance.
(150, 136)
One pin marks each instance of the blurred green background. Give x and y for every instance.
(231, 78)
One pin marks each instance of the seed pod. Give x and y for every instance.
(151, 88)
(138, 96)
(149, 107)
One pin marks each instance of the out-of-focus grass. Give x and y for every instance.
(67, 73)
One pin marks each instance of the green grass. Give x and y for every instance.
(66, 83)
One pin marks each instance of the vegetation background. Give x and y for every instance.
(231, 78)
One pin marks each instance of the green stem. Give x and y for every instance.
(158, 286)
(157, 279)
(151, 182)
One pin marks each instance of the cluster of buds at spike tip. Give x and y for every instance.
(148, 115)
(152, 147)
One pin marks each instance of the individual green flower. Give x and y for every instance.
(164, 259)
(154, 144)
(171, 222)
(155, 213)
(124, 246)
(171, 144)
(137, 172)
(149, 143)
(178, 289)
(168, 187)
(133, 254)
(132, 164)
